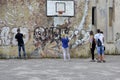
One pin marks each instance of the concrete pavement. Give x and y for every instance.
(57, 69)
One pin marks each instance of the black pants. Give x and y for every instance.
(92, 53)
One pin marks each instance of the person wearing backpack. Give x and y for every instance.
(92, 45)
(102, 34)
(99, 38)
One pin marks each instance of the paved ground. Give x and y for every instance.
(57, 69)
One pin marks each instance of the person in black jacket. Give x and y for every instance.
(19, 37)
(92, 45)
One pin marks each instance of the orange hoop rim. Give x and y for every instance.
(60, 12)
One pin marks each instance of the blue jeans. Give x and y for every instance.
(19, 50)
(100, 50)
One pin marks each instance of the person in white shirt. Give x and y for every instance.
(99, 38)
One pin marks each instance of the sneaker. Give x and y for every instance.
(98, 61)
(92, 61)
(25, 57)
(96, 58)
(104, 61)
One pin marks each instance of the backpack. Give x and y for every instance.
(99, 43)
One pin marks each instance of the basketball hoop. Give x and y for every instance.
(60, 12)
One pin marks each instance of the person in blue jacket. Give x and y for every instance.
(65, 47)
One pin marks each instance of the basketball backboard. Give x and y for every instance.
(60, 8)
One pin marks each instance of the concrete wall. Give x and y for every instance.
(26, 14)
(117, 25)
(111, 32)
(30, 16)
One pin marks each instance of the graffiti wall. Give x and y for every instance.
(42, 33)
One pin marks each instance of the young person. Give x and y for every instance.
(19, 38)
(65, 47)
(92, 45)
(100, 45)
